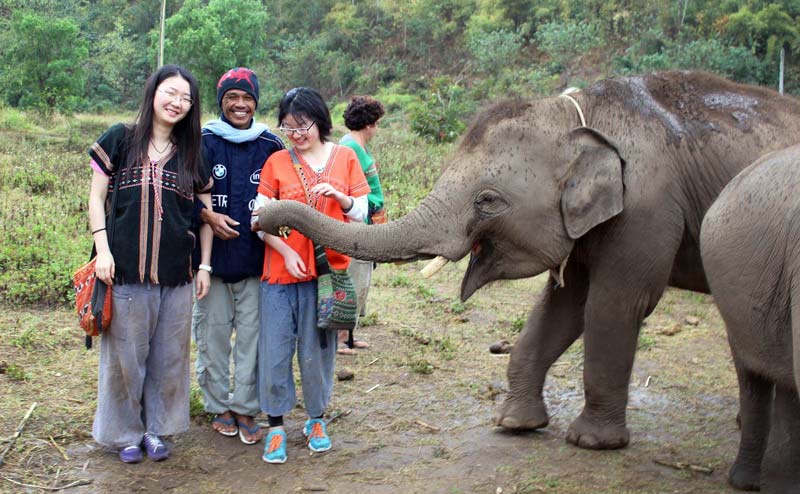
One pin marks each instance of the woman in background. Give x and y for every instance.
(362, 116)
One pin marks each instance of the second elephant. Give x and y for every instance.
(751, 252)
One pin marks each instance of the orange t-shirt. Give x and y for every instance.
(280, 180)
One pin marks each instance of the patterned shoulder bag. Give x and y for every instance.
(337, 304)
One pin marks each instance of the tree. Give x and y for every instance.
(43, 63)
(765, 31)
(210, 39)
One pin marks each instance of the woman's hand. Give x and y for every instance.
(329, 190)
(104, 268)
(203, 282)
(294, 264)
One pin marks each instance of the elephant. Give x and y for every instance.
(606, 189)
(750, 247)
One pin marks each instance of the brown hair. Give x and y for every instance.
(362, 112)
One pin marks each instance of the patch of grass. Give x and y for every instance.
(16, 120)
(33, 181)
(17, 373)
(441, 452)
(646, 341)
(399, 280)
(445, 347)
(370, 319)
(426, 293)
(458, 307)
(25, 339)
(421, 365)
(196, 407)
(517, 324)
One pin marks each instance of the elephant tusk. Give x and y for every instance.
(559, 275)
(433, 267)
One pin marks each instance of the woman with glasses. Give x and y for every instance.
(362, 116)
(329, 178)
(143, 382)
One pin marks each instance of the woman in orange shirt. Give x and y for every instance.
(329, 178)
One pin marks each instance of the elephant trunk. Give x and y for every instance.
(422, 234)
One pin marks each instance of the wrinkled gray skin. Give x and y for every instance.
(751, 251)
(623, 198)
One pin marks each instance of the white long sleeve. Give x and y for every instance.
(358, 212)
(261, 201)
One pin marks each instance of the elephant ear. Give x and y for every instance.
(593, 187)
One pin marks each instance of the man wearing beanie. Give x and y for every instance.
(235, 147)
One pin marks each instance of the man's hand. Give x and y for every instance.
(220, 223)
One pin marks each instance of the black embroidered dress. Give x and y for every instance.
(152, 238)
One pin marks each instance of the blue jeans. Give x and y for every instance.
(289, 323)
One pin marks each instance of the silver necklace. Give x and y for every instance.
(160, 151)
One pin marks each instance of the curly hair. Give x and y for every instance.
(362, 112)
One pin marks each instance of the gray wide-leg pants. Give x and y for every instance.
(143, 381)
(361, 273)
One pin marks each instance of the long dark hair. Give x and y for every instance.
(185, 134)
(307, 102)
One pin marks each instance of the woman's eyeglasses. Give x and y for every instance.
(299, 131)
(174, 96)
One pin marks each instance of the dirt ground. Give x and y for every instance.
(417, 417)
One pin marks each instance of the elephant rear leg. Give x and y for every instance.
(780, 472)
(755, 399)
(555, 322)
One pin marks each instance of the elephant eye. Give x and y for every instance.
(490, 203)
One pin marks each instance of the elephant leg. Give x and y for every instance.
(781, 467)
(631, 265)
(755, 399)
(554, 323)
(614, 311)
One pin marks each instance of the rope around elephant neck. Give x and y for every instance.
(566, 95)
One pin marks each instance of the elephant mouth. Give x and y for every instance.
(479, 259)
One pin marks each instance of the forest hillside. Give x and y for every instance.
(435, 59)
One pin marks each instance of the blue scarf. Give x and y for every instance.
(232, 134)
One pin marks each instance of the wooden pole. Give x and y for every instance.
(683, 15)
(161, 36)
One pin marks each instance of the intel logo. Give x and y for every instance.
(255, 178)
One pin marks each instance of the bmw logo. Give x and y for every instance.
(219, 171)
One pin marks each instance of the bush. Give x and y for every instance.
(494, 50)
(567, 41)
(15, 120)
(734, 62)
(438, 114)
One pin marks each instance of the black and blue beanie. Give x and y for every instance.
(238, 78)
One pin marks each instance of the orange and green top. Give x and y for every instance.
(280, 180)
